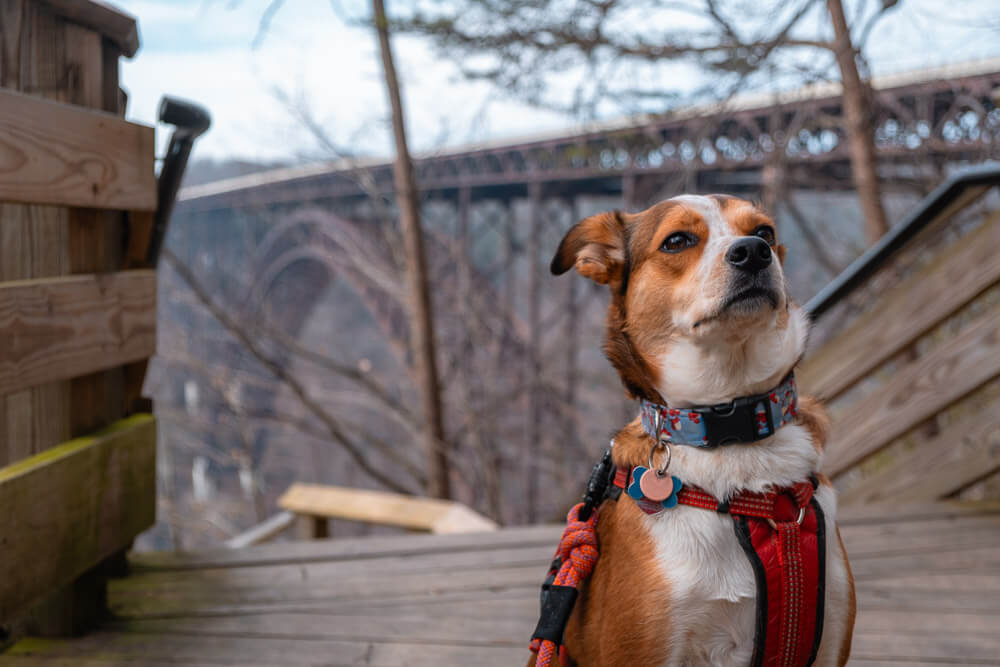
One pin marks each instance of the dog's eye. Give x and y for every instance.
(765, 232)
(679, 241)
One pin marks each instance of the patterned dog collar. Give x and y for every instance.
(745, 419)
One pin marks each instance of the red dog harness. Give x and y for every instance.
(782, 533)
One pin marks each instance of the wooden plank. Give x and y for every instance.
(235, 580)
(917, 391)
(59, 328)
(905, 620)
(119, 648)
(948, 536)
(371, 584)
(34, 240)
(962, 454)
(112, 23)
(963, 649)
(347, 549)
(897, 514)
(58, 154)
(906, 313)
(391, 509)
(959, 560)
(70, 507)
(375, 628)
(433, 603)
(509, 603)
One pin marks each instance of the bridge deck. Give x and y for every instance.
(928, 589)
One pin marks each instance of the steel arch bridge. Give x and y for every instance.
(515, 198)
(925, 120)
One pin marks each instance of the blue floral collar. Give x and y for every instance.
(745, 419)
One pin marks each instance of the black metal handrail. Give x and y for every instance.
(928, 210)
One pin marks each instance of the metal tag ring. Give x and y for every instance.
(661, 471)
(802, 515)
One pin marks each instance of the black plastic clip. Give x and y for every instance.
(597, 486)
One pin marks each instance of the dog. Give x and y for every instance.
(700, 315)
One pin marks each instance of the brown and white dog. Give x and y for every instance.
(691, 322)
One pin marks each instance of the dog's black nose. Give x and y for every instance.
(750, 254)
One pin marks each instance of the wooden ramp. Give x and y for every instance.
(928, 592)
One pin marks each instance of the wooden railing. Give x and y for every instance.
(77, 189)
(913, 380)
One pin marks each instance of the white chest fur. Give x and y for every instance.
(712, 587)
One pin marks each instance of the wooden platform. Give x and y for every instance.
(928, 579)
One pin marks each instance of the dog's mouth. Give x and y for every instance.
(751, 300)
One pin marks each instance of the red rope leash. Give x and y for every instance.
(577, 554)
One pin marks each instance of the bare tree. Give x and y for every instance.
(422, 342)
(422, 328)
(529, 48)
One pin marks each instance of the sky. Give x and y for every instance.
(204, 50)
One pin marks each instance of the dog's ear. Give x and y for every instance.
(596, 247)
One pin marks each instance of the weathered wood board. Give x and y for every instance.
(71, 166)
(435, 516)
(60, 328)
(923, 387)
(52, 153)
(962, 454)
(102, 18)
(929, 593)
(68, 508)
(908, 311)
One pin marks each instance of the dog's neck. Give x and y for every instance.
(703, 373)
(710, 371)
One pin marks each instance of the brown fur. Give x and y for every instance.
(812, 415)
(604, 613)
(852, 607)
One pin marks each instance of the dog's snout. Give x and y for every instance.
(750, 254)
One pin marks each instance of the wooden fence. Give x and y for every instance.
(77, 189)
(910, 367)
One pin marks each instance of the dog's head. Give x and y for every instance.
(699, 310)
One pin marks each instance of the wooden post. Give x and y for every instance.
(66, 53)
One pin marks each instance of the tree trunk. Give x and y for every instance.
(421, 320)
(860, 132)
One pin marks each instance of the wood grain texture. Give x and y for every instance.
(921, 388)
(379, 507)
(70, 507)
(60, 328)
(34, 240)
(112, 23)
(928, 591)
(345, 549)
(65, 52)
(900, 317)
(57, 154)
(963, 453)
